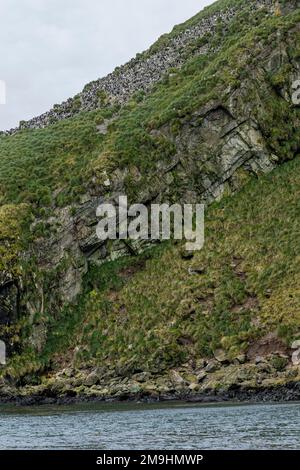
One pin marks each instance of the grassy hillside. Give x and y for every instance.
(52, 166)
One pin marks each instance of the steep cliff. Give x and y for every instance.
(206, 115)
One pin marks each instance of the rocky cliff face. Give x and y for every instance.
(229, 118)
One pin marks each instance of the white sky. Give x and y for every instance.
(49, 49)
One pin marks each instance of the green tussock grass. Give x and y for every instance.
(36, 163)
(13, 229)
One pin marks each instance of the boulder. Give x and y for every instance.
(194, 387)
(142, 377)
(92, 379)
(241, 358)
(296, 358)
(259, 359)
(190, 378)
(296, 344)
(201, 363)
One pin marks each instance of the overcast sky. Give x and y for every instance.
(49, 49)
